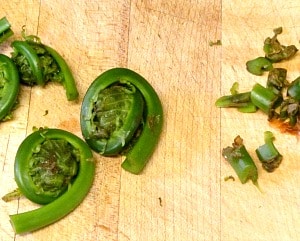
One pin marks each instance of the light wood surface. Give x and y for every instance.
(182, 194)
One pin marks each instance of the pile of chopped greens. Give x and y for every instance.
(279, 99)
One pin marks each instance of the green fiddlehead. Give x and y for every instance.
(121, 114)
(52, 167)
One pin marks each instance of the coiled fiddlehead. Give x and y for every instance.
(38, 64)
(121, 114)
(52, 167)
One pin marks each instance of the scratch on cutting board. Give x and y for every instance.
(5, 153)
(103, 227)
(38, 19)
(124, 235)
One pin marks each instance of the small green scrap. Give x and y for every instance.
(213, 43)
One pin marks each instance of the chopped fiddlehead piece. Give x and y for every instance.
(259, 65)
(240, 160)
(121, 114)
(289, 110)
(213, 43)
(241, 101)
(277, 79)
(234, 88)
(276, 52)
(55, 168)
(294, 89)
(248, 108)
(264, 98)
(9, 87)
(268, 153)
(235, 100)
(5, 30)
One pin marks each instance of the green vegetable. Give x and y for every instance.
(294, 89)
(217, 42)
(234, 88)
(5, 30)
(235, 100)
(241, 101)
(39, 64)
(28, 63)
(280, 100)
(268, 154)
(121, 114)
(9, 86)
(259, 65)
(277, 79)
(264, 98)
(52, 167)
(288, 111)
(272, 99)
(240, 160)
(64, 74)
(276, 52)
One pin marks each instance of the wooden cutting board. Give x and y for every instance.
(182, 194)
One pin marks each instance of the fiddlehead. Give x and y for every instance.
(38, 64)
(135, 117)
(52, 167)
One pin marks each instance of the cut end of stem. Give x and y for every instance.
(129, 167)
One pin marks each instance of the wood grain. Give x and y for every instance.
(181, 195)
